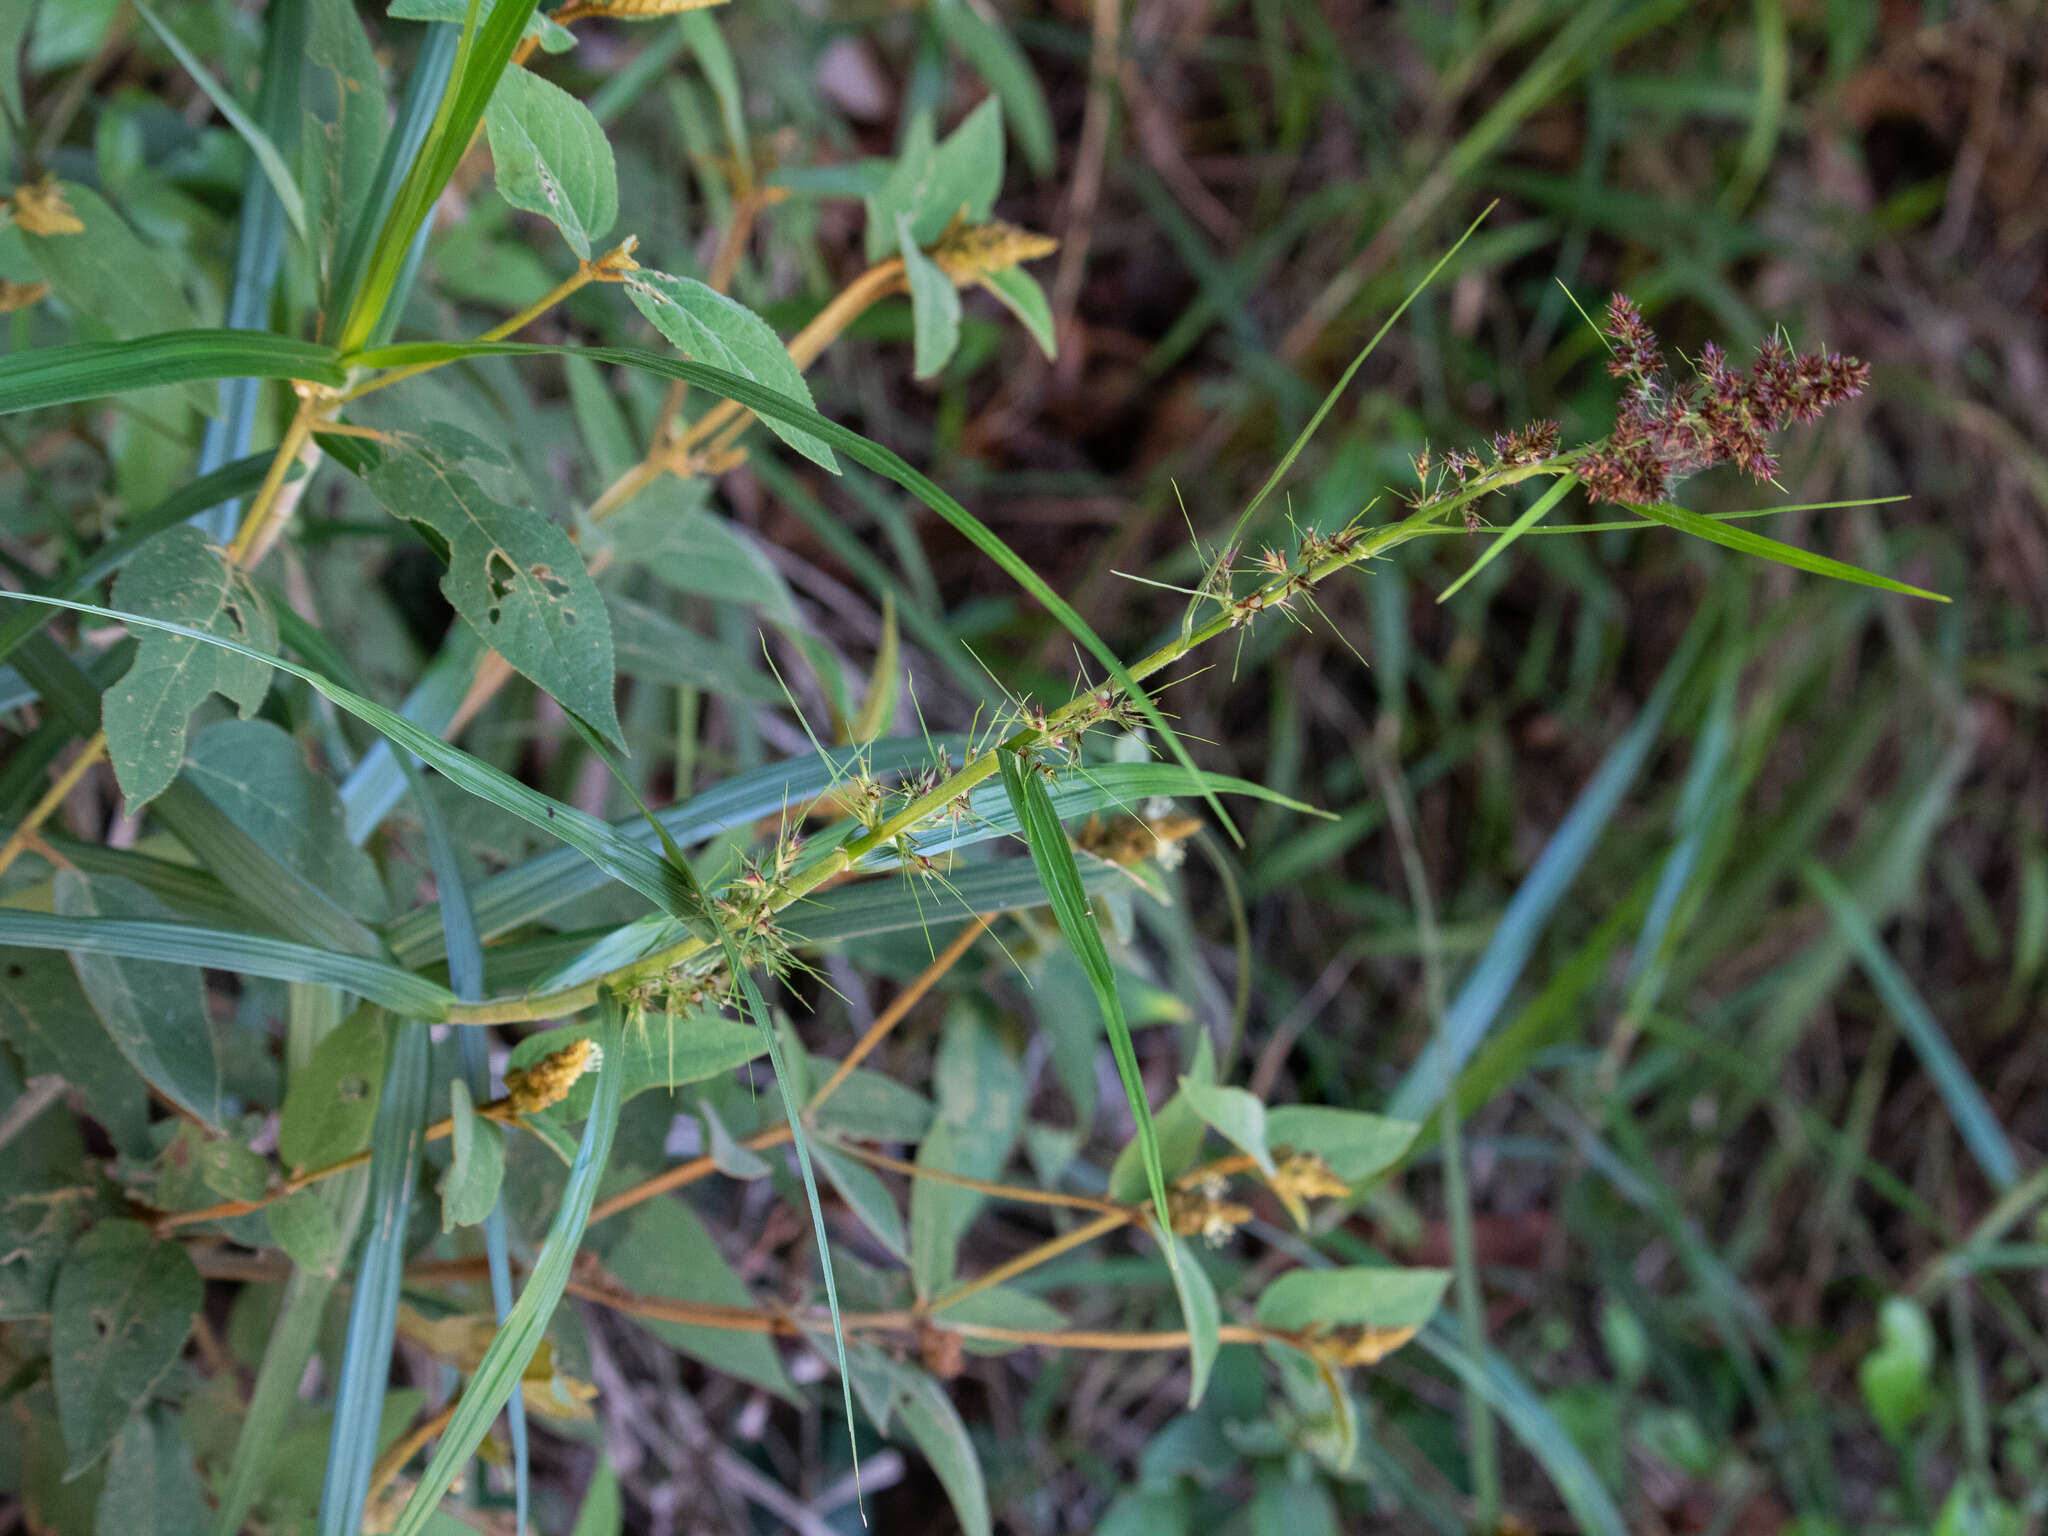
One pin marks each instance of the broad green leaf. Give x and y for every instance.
(120, 1315)
(259, 143)
(871, 1106)
(907, 1404)
(1356, 1145)
(934, 305)
(552, 158)
(601, 1512)
(331, 1104)
(1287, 1506)
(1896, 1375)
(554, 37)
(1237, 1115)
(663, 1051)
(732, 1159)
(1180, 1132)
(178, 577)
(979, 1091)
(40, 1205)
(512, 574)
(1747, 542)
(1358, 1296)
(187, 946)
(1198, 1310)
(707, 326)
(931, 185)
(1053, 857)
(995, 54)
(257, 775)
(341, 135)
(303, 1225)
(87, 370)
(152, 1484)
(669, 1252)
(866, 1195)
(469, 1190)
(999, 1306)
(46, 1018)
(1019, 293)
(155, 1012)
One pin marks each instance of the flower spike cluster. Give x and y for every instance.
(1664, 432)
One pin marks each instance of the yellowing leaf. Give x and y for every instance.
(15, 296)
(643, 10)
(41, 209)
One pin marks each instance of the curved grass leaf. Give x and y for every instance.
(998, 59)
(259, 142)
(373, 1305)
(1053, 857)
(251, 954)
(773, 406)
(1530, 517)
(1743, 541)
(497, 1375)
(87, 370)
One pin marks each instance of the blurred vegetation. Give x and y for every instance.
(1718, 889)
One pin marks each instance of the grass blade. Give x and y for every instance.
(252, 954)
(1479, 1001)
(1053, 858)
(1975, 1121)
(1745, 542)
(1521, 525)
(373, 1307)
(274, 168)
(498, 1374)
(86, 370)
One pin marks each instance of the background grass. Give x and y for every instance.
(1709, 1126)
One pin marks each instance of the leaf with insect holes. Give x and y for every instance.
(332, 1102)
(932, 184)
(179, 576)
(552, 158)
(710, 328)
(934, 305)
(155, 1011)
(119, 1317)
(512, 573)
(469, 1191)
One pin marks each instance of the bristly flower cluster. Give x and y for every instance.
(1662, 433)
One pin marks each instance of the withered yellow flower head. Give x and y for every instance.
(41, 209)
(966, 252)
(549, 1080)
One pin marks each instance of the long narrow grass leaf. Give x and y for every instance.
(1745, 542)
(251, 954)
(86, 370)
(395, 1146)
(1053, 858)
(260, 145)
(1521, 525)
(498, 1374)
(1975, 1121)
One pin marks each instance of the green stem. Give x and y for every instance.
(1071, 719)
